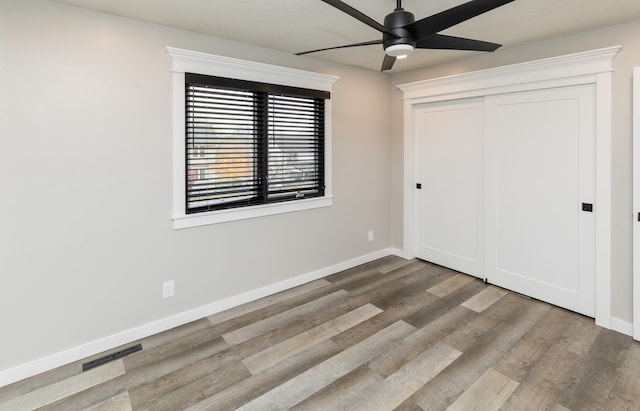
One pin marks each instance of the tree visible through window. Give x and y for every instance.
(251, 143)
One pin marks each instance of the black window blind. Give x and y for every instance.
(251, 143)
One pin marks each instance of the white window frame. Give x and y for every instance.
(186, 61)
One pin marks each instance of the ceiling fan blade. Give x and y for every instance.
(387, 63)
(439, 41)
(357, 14)
(364, 43)
(433, 24)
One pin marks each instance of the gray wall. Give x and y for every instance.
(85, 182)
(627, 35)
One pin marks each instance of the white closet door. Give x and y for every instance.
(540, 169)
(449, 170)
(636, 203)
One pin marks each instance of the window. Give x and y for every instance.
(250, 143)
(249, 139)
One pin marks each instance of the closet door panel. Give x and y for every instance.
(636, 203)
(449, 171)
(540, 189)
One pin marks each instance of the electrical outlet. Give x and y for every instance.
(168, 289)
(370, 235)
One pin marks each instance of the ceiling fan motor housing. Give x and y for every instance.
(395, 22)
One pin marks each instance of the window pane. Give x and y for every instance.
(296, 128)
(221, 147)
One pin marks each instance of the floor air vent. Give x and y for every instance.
(110, 357)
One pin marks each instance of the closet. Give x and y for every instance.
(508, 177)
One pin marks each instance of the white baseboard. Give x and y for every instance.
(621, 326)
(38, 366)
(399, 253)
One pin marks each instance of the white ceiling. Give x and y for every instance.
(300, 25)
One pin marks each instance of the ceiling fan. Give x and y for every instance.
(401, 34)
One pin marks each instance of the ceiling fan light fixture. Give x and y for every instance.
(401, 33)
(399, 50)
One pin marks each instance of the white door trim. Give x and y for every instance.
(590, 67)
(636, 203)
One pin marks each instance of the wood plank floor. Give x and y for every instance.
(388, 335)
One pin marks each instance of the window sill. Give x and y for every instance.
(224, 216)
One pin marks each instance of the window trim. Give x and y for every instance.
(184, 61)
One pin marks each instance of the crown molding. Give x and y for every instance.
(187, 61)
(504, 78)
